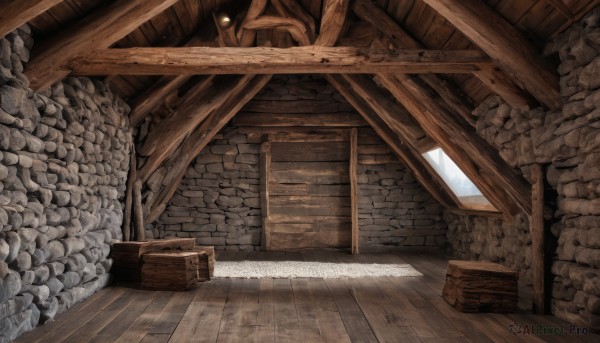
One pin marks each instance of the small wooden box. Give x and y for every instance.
(127, 255)
(480, 286)
(170, 271)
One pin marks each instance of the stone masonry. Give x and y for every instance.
(64, 158)
(567, 143)
(395, 211)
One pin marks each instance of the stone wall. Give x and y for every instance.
(218, 202)
(567, 143)
(396, 211)
(64, 157)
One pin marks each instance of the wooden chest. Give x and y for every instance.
(480, 286)
(170, 271)
(127, 255)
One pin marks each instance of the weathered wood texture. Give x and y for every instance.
(354, 189)
(334, 17)
(505, 189)
(97, 31)
(266, 60)
(16, 13)
(307, 195)
(505, 44)
(170, 271)
(479, 286)
(199, 138)
(127, 255)
(495, 80)
(538, 241)
(369, 309)
(409, 156)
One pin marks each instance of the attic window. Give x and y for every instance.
(465, 190)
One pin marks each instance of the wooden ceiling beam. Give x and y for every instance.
(507, 191)
(505, 44)
(332, 22)
(199, 139)
(16, 13)
(412, 159)
(98, 30)
(268, 60)
(490, 76)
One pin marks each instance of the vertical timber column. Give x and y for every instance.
(538, 239)
(265, 166)
(354, 188)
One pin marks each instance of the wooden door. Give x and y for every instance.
(306, 195)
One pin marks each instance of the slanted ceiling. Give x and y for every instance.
(475, 48)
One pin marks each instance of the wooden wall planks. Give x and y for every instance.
(309, 198)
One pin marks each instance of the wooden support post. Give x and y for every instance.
(129, 194)
(354, 188)
(265, 166)
(538, 239)
(138, 212)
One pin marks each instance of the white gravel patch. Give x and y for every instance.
(301, 269)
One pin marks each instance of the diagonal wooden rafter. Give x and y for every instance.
(505, 189)
(505, 44)
(215, 120)
(268, 60)
(406, 154)
(200, 137)
(16, 13)
(165, 138)
(490, 76)
(99, 30)
(394, 115)
(154, 95)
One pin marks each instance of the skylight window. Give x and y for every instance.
(465, 190)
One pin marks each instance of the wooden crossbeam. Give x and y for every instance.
(490, 76)
(507, 191)
(505, 44)
(267, 60)
(99, 30)
(16, 13)
(412, 159)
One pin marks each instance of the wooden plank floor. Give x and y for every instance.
(293, 310)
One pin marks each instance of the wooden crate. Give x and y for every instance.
(480, 286)
(170, 271)
(127, 255)
(210, 252)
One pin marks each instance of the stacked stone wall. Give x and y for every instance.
(567, 144)
(64, 158)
